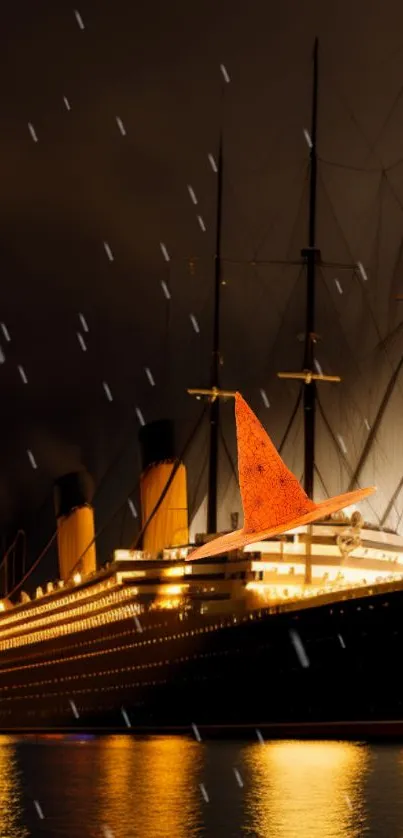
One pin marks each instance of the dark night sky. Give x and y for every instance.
(157, 67)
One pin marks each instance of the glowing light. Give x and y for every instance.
(174, 571)
(67, 103)
(77, 578)
(201, 222)
(79, 19)
(139, 627)
(121, 127)
(341, 641)
(2, 606)
(309, 782)
(107, 391)
(192, 194)
(140, 416)
(81, 341)
(165, 289)
(164, 252)
(32, 132)
(225, 73)
(308, 138)
(128, 555)
(173, 590)
(194, 324)
(260, 737)
(108, 252)
(52, 612)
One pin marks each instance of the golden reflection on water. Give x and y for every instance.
(10, 792)
(310, 789)
(153, 785)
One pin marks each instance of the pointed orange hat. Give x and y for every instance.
(273, 501)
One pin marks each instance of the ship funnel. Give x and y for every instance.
(169, 525)
(75, 524)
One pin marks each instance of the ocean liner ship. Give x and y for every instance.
(298, 635)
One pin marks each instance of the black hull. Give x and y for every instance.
(228, 676)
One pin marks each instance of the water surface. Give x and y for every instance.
(123, 787)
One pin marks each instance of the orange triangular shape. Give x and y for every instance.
(271, 495)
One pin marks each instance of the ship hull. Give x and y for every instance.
(321, 672)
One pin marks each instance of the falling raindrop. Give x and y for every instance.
(108, 252)
(32, 132)
(164, 252)
(121, 127)
(79, 19)
(107, 391)
(225, 73)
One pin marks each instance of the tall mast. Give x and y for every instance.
(311, 254)
(215, 361)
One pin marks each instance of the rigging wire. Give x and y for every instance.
(35, 565)
(375, 425)
(350, 168)
(114, 515)
(272, 224)
(350, 349)
(284, 315)
(134, 489)
(391, 503)
(162, 496)
(353, 118)
(387, 118)
(341, 454)
(360, 284)
(381, 341)
(384, 170)
(302, 266)
(291, 421)
(390, 336)
(13, 545)
(364, 169)
(322, 481)
(171, 477)
(229, 457)
(192, 504)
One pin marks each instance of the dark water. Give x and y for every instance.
(157, 788)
